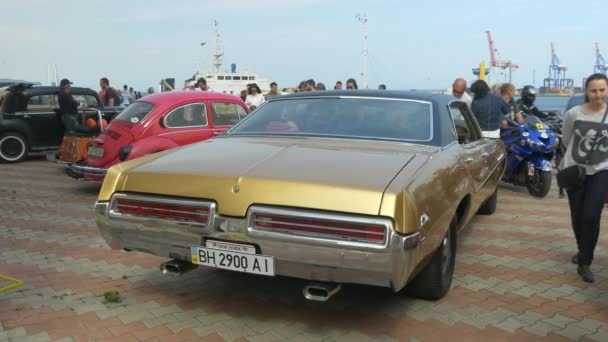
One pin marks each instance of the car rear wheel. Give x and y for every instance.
(434, 281)
(13, 147)
(489, 206)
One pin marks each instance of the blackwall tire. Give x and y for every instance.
(435, 280)
(489, 206)
(540, 184)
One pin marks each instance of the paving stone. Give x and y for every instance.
(177, 326)
(579, 297)
(212, 318)
(511, 325)
(157, 321)
(268, 336)
(541, 328)
(530, 317)
(525, 292)
(559, 321)
(601, 335)
(573, 332)
(231, 330)
(589, 324)
(42, 337)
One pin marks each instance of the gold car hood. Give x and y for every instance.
(235, 172)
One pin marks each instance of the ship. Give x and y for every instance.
(232, 82)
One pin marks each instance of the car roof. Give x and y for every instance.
(187, 95)
(31, 89)
(393, 94)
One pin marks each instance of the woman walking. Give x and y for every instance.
(585, 135)
(255, 97)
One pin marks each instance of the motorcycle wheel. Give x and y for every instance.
(539, 184)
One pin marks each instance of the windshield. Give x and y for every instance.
(135, 112)
(356, 118)
(534, 122)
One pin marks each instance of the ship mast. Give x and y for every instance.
(363, 20)
(218, 53)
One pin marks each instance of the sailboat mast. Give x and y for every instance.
(363, 19)
(218, 53)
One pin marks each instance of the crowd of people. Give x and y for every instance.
(253, 97)
(111, 97)
(584, 137)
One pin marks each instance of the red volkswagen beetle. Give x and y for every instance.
(159, 122)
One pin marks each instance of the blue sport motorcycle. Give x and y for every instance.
(530, 147)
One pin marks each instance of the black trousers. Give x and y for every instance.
(586, 205)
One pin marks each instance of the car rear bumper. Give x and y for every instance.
(389, 265)
(79, 171)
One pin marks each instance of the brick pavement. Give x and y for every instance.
(513, 282)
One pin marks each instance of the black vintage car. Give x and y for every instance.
(30, 122)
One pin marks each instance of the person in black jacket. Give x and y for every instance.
(69, 110)
(526, 103)
(489, 109)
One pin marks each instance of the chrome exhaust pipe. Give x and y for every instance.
(177, 267)
(321, 292)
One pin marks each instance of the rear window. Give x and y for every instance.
(42, 103)
(227, 113)
(354, 118)
(89, 100)
(136, 112)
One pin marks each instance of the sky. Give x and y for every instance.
(412, 44)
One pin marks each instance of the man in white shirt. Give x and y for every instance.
(459, 91)
(201, 85)
(126, 96)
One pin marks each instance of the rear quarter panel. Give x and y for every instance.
(436, 189)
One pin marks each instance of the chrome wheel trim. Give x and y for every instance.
(446, 254)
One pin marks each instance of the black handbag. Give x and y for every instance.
(575, 175)
(571, 176)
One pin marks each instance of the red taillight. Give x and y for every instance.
(321, 228)
(178, 212)
(112, 134)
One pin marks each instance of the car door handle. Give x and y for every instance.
(218, 133)
(469, 160)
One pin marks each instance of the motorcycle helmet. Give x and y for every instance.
(528, 95)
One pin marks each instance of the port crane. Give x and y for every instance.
(557, 81)
(600, 63)
(497, 62)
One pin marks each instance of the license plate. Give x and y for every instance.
(530, 170)
(96, 152)
(223, 255)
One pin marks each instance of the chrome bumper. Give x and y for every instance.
(388, 265)
(85, 171)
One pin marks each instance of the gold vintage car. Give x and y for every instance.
(359, 187)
